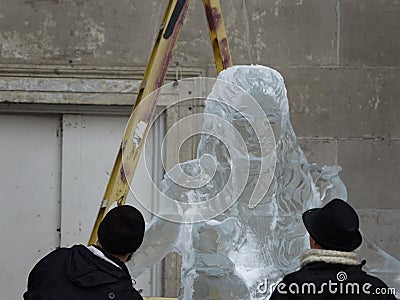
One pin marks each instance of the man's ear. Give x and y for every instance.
(314, 244)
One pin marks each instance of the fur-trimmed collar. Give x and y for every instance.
(329, 256)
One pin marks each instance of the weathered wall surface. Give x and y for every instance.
(340, 59)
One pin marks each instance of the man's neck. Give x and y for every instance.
(123, 258)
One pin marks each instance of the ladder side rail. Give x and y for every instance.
(129, 153)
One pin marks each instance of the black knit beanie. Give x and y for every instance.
(122, 230)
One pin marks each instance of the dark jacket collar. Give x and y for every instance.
(114, 259)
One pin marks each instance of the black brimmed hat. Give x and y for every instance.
(122, 230)
(334, 226)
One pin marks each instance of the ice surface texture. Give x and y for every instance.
(230, 255)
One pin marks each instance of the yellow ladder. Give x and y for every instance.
(129, 152)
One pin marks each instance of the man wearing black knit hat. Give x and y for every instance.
(330, 269)
(94, 272)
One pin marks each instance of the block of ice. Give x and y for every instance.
(259, 237)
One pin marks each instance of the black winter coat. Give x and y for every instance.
(77, 274)
(333, 282)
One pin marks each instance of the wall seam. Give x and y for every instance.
(246, 23)
(338, 32)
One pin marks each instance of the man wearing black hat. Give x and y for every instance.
(94, 272)
(330, 269)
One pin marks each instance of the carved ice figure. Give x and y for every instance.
(233, 255)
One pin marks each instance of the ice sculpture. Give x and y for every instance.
(238, 252)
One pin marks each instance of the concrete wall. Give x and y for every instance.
(340, 60)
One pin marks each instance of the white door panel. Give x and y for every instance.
(30, 203)
(90, 144)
